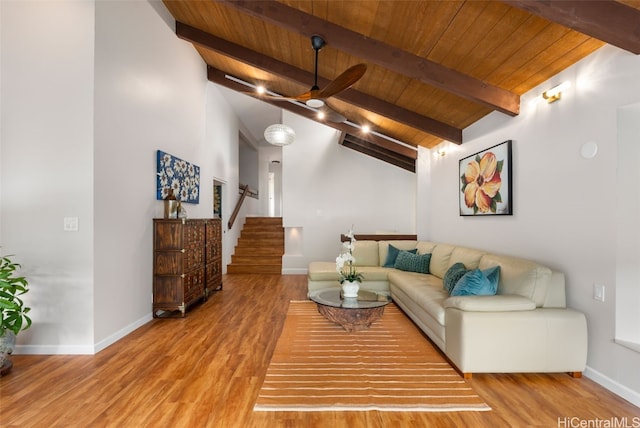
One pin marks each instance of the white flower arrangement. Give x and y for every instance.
(345, 261)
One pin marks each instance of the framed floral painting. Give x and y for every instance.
(181, 176)
(485, 182)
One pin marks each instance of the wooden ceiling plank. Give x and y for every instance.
(448, 51)
(539, 49)
(567, 59)
(609, 21)
(489, 53)
(255, 59)
(464, 56)
(382, 54)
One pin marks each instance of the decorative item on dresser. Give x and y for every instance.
(187, 263)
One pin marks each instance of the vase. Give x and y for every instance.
(7, 345)
(350, 302)
(350, 288)
(170, 205)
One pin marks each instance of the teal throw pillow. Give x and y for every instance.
(478, 283)
(453, 275)
(392, 255)
(412, 262)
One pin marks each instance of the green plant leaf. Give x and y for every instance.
(12, 308)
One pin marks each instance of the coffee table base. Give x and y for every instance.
(351, 319)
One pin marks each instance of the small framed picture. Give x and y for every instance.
(485, 182)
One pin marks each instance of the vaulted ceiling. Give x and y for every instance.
(433, 67)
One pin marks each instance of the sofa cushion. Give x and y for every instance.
(322, 271)
(425, 290)
(383, 248)
(518, 276)
(366, 253)
(413, 262)
(392, 255)
(401, 278)
(440, 259)
(467, 256)
(425, 247)
(452, 276)
(498, 303)
(478, 283)
(374, 273)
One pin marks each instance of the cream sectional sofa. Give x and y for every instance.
(525, 327)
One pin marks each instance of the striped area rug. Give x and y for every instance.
(317, 366)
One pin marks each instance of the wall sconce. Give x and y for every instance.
(555, 93)
(439, 153)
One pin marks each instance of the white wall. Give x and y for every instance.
(222, 131)
(90, 91)
(47, 165)
(267, 156)
(149, 95)
(564, 204)
(328, 188)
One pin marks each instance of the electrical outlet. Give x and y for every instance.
(71, 224)
(598, 292)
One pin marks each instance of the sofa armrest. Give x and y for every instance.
(497, 303)
(538, 341)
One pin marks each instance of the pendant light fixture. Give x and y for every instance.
(279, 134)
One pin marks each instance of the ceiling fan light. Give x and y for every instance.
(279, 134)
(315, 103)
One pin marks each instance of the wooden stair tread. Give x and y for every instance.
(260, 247)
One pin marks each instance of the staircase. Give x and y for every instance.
(260, 247)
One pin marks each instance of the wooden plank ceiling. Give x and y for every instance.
(433, 67)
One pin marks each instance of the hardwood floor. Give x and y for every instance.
(205, 370)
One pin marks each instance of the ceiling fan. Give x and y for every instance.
(316, 97)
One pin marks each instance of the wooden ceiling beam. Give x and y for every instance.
(351, 96)
(382, 54)
(610, 21)
(219, 77)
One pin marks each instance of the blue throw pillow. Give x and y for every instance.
(478, 283)
(453, 275)
(392, 255)
(412, 262)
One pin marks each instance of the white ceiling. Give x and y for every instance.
(254, 114)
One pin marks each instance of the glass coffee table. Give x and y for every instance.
(352, 313)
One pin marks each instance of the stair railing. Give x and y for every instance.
(236, 210)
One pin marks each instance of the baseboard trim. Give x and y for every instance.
(294, 271)
(628, 394)
(53, 350)
(122, 333)
(82, 349)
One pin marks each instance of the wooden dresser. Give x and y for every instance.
(187, 263)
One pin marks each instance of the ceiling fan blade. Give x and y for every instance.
(331, 115)
(343, 81)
